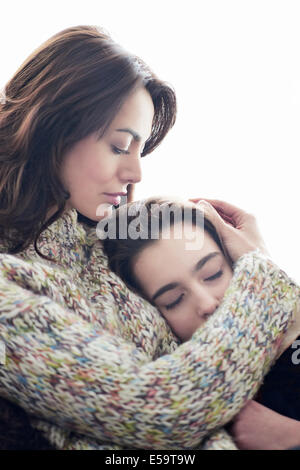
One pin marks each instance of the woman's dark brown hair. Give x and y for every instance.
(150, 216)
(70, 87)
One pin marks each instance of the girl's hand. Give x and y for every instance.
(237, 229)
(257, 427)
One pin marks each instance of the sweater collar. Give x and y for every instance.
(65, 241)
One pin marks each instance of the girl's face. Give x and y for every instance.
(185, 285)
(96, 172)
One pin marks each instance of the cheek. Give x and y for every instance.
(98, 169)
(92, 163)
(180, 324)
(225, 283)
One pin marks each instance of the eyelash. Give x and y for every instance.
(118, 151)
(173, 304)
(215, 276)
(177, 301)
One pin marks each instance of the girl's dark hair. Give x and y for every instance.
(149, 216)
(70, 87)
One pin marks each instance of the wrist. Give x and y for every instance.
(291, 434)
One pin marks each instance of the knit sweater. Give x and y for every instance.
(96, 367)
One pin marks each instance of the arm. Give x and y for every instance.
(63, 367)
(257, 427)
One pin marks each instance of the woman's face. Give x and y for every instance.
(97, 172)
(186, 285)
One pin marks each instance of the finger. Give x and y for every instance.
(228, 211)
(197, 199)
(233, 241)
(222, 227)
(224, 216)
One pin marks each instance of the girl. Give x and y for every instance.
(187, 282)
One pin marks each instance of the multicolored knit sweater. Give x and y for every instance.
(96, 367)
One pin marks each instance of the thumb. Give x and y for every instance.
(223, 228)
(232, 240)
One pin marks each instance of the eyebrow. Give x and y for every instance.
(196, 268)
(134, 134)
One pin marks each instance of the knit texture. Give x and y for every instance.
(96, 367)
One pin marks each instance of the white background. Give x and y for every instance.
(235, 66)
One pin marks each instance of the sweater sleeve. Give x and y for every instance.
(64, 368)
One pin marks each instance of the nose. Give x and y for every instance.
(131, 171)
(205, 304)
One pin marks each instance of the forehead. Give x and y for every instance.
(169, 258)
(184, 241)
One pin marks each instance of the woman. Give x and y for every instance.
(92, 364)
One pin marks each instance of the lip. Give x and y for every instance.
(114, 198)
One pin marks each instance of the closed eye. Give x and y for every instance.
(119, 151)
(214, 276)
(176, 302)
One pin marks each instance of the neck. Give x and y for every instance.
(53, 209)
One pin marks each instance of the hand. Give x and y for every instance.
(257, 427)
(236, 228)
